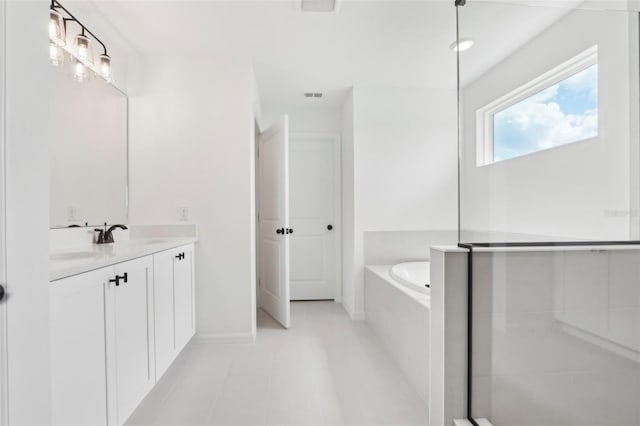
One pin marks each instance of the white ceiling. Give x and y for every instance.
(393, 43)
(371, 43)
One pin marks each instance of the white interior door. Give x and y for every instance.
(273, 215)
(315, 212)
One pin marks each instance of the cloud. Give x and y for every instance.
(563, 113)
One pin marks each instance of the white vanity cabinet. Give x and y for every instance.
(102, 343)
(78, 348)
(114, 331)
(174, 304)
(130, 344)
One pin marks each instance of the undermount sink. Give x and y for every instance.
(72, 255)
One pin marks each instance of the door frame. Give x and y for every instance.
(337, 191)
(4, 368)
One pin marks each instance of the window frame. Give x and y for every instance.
(485, 115)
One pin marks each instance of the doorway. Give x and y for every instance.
(315, 196)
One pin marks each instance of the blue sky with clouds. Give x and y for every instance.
(563, 113)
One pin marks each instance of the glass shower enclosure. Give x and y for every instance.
(549, 210)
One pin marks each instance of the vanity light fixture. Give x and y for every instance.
(105, 67)
(57, 26)
(82, 52)
(83, 48)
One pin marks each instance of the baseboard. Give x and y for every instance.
(355, 316)
(225, 338)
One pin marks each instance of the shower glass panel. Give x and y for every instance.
(550, 210)
(549, 122)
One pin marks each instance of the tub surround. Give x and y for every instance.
(383, 271)
(400, 318)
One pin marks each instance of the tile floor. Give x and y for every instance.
(325, 370)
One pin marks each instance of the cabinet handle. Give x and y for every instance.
(180, 256)
(280, 231)
(3, 293)
(117, 279)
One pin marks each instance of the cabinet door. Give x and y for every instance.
(165, 342)
(183, 284)
(78, 349)
(130, 335)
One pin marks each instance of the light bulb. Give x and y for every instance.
(83, 48)
(80, 72)
(53, 31)
(56, 28)
(56, 55)
(105, 67)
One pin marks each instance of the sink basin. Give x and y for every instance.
(72, 255)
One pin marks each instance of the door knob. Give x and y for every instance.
(3, 293)
(329, 227)
(280, 231)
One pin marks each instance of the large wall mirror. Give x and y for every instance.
(88, 151)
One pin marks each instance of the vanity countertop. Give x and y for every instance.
(76, 260)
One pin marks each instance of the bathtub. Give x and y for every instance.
(397, 310)
(413, 275)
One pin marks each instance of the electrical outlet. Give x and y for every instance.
(183, 213)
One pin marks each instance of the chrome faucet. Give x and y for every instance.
(106, 236)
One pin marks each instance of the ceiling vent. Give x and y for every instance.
(319, 5)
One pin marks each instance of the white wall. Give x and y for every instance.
(580, 190)
(348, 205)
(305, 119)
(192, 144)
(26, 163)
(403, 162)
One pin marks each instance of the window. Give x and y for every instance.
(558, 108)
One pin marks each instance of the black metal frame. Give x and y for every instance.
(55, 4)
(470, 247)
